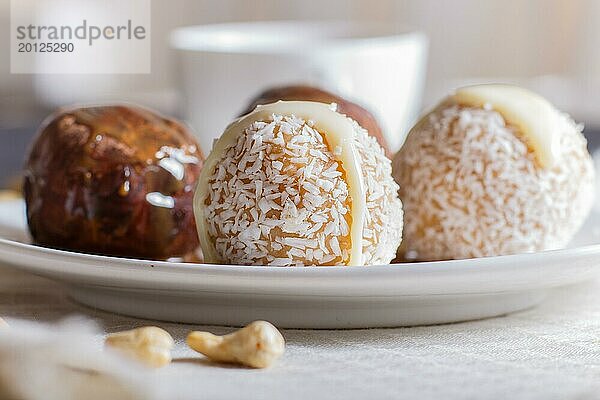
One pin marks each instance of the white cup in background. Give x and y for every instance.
(224, 65)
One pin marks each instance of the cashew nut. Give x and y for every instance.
(150, 345)
(257, 345)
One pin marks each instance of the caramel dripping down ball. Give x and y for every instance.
(310, 93)
(113, 180)
(492, 170)
(294, 184)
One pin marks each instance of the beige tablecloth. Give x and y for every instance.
(550, 352)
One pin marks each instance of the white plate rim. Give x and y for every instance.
(469, 276)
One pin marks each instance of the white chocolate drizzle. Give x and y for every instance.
(533, 115)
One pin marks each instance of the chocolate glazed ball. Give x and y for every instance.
(113, 180)
(309, 93)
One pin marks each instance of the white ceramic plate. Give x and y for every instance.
(321, 297)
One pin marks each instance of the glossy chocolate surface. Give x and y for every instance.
(113, 180)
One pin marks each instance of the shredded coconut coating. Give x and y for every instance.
(471, 187)
(279, 197)
(382, 232)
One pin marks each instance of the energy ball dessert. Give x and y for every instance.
(113, 180)
(492, 170)
(297, 183)
(309, 93)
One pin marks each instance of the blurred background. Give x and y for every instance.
(551, 46)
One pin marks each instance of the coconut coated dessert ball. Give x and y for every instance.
(492, 170)
(113, 180)
(296, 183)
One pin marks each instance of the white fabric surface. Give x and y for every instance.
(550, 352)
